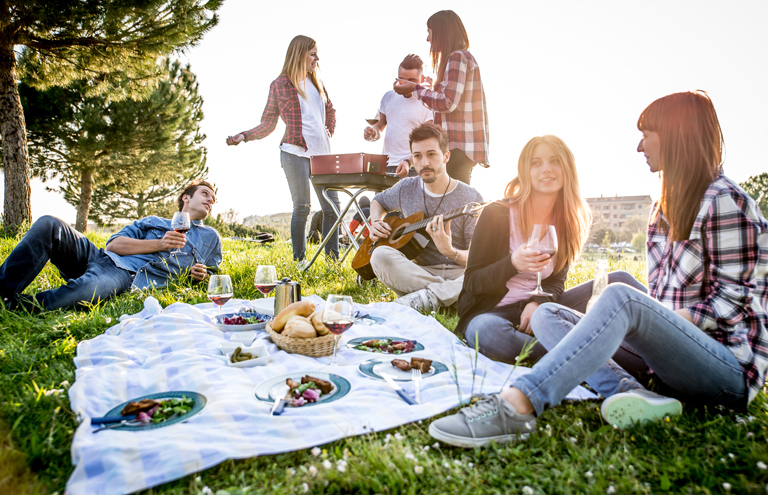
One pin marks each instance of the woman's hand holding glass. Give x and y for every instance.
(529, 259)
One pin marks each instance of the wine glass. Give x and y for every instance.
(180, 224)
(337, 316)
(220, 290)
(543, 239)
(265, 279)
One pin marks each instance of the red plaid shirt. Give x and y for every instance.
(459, 105)
(720, 274)
(283, 102)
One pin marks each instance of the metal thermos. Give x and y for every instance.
(286, 292)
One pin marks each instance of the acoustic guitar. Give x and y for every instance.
(405, 237)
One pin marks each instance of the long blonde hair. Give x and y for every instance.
(295, 65)
(691, 155)
(572, 216)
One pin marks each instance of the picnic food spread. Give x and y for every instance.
(239, 355)
(389, 346)
(158, 411)
(309, 390)
(300, 320)
(424, 365)
(239, 320)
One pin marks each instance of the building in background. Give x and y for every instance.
(613, 212)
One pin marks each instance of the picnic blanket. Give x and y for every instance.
(177, 348)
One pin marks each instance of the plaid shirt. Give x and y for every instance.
(283, 101)
(459, 106)
(719, 274)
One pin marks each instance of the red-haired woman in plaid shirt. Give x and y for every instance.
(702, 326)
(299, 97)
(458, 99)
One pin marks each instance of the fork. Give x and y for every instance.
(133, 422)
(280, 394)
(416, 377)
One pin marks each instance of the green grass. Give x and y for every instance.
(573, 452)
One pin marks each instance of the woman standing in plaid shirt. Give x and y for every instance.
(458, 99)
(702, 326)
(299, 97)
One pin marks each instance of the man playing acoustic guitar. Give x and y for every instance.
(433, 279)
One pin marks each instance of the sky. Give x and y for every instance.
(583, 71)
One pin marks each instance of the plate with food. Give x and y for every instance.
(385, 345)
(241, 322)
(400, 369)
(159, 410)
(304, 389)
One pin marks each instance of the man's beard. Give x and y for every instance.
(432, 179)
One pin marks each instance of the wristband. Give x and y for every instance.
(457, 255)
(410, 163)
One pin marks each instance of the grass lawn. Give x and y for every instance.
(706, 450)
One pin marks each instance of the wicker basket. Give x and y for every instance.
(317, 347)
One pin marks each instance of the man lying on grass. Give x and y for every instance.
(136, 257)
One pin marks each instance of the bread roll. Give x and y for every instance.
(317, 322)
(299, 327)
(300, 308)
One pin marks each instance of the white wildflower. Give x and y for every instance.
(398, 436)
(327, 464)
(207, 491)
(722, 459)
(292, 471)
(341, 468)
(316, 451)
(435, 445)
(615, 427)
(198, 479)
(305, 488)
(528, 426)
(64, 384)
(731, 456)
(345, 454)
(426, 448)
(312, 471)
(418, 469)
(610, 489)
(446, 465)
(527, 490)
(410, 456)
(750, 434)
(108, 319)
(387, 438)
(588, 474)
(457, 462)
(470, 465)
(53, 391)
(610, 466)
(573, 440)
(579, 424)
(420, 421)
(761, 465)
(727, 487)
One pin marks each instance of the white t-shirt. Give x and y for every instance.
(312, 124)
(403, 115)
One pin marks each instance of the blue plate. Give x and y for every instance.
(199, 399)
(265, 391)
(352, 344)
(219, 322)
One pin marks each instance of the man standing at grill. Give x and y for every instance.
(400, 114)
(434, 278)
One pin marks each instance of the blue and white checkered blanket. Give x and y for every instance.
(177, 348)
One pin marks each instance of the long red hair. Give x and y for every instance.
(691, 155)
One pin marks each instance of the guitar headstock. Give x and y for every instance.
(472, 209)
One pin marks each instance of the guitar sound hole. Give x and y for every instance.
(397, 234)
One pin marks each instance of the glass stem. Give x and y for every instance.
(335, 347)
(538, 284)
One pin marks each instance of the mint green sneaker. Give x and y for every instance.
(638, 406)
(491, 419)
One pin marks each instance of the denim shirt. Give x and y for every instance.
(157, 269)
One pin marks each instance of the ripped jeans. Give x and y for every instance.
(296, 170)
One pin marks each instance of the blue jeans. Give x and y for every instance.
(691, 364)
(90, 274)
(497, 336)
(296, 170)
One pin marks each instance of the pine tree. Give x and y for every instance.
(65, 39)
(115, 159)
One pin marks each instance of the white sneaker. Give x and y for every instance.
(638, 406)
(421, 300)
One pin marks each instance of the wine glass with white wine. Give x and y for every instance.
(543, 239)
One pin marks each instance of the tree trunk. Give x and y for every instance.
(17, 206)
(84, 205)
(141, 206)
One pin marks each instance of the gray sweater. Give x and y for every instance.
(408, 197)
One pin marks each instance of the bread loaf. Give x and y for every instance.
(300, 308)
(299, 327)
(317, 322)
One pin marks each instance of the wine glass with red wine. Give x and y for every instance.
(265, 279)
(220, 290)
(543, 239)
(180, 224)
(337, 316)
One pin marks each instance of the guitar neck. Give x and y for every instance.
(446, 216)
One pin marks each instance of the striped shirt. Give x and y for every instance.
(719, 274)
(459, 105)
(283, 102)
